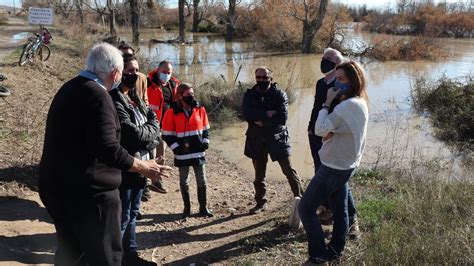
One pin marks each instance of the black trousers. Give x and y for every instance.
(260, 167)
(88, 230)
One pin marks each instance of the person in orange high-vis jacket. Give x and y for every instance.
(161, 93)
(185, 128)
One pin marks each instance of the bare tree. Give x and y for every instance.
(113, 31)
(182, 22)
(79, 7)
(196, 14)
(64, 7)
(201, 11)
(135, 10)
(231, 19)
(311, 14)
(150, 4)
(100, 9)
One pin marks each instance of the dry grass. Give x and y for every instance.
(3, 17)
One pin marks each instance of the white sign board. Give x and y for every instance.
(42, 16)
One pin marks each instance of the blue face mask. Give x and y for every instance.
(344, 87)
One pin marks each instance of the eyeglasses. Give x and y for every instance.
(262, 77)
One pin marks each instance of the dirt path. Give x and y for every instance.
(13, 34)
(27, 234)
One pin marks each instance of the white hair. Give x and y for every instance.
(335, 55)
(103, 58)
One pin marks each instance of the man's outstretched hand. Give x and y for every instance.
(150, 169)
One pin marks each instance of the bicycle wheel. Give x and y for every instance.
(44, 52)
(26, 54)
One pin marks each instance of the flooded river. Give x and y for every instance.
(395, 135)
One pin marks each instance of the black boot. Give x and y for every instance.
(187, 204)
(202, 198)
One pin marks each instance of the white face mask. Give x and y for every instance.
(116, 83)
(164, 77)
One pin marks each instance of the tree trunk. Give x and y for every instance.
(310, 28)
(230, 23)
(113, 32)
(196, 19)
(78, 4)
(135, 10)
(182, 23)
(308, 36)
(150, 4)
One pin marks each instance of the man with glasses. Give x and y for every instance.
(265, 107)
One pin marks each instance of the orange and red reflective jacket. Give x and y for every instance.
(156, 101)
(186, 134)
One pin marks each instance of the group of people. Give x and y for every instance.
(119, 120)
(336, 132)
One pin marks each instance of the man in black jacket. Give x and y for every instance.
(81, 165)
(265, 107)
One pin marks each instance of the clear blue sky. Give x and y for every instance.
(17, 3)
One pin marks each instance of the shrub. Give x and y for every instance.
(423, 19)
(223, 100)
(449, 103)
(412, 48)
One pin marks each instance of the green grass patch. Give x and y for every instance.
(373, 211)
(368, 176)
(422, 222)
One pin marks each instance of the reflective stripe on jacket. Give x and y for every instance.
(156, 100)
(187, 136)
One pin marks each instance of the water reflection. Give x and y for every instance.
(18, 37)
(393, 132)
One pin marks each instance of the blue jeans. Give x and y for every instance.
(131, 199)
(328, 185)
(315, 144)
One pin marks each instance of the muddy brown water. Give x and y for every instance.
(395, 134)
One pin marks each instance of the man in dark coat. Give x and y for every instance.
(81, 165)
(265, 107)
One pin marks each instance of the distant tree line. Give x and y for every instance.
(412, 17)
(305, 25)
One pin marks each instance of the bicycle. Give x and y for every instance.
(37, 46)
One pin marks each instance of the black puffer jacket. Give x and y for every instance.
(273, 136)
(135, 139)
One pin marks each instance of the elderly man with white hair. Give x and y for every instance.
(81, 165)
(331, 59)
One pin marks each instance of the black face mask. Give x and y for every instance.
(189, 100)
(129, 80)
(262, 86)
(327, 66)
